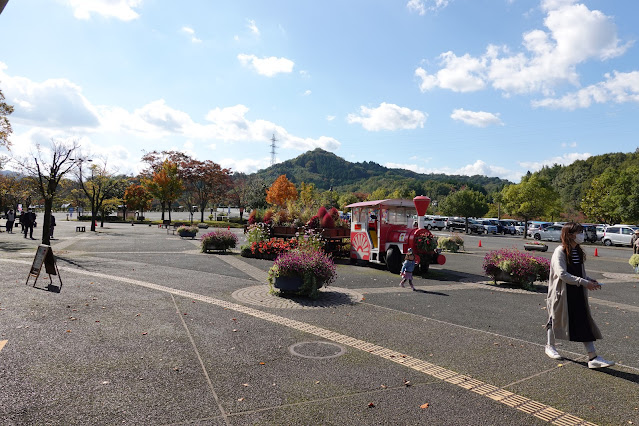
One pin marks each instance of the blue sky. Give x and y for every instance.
(494, 87)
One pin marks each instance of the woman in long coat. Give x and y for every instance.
(569, 315)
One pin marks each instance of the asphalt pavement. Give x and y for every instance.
(148, 330)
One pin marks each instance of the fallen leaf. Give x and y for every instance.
(560, 365)
(262, 363)
(317, 382)
(68, 331)
(245, 384)
(424, 406)
(145, 333)
(97, 321)
(371, 405)
(233, 319)
(234, 330)
(407, 382)
(384, 386)
(241, 399)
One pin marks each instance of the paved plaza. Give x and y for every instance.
(148, 330)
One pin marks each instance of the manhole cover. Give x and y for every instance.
(317, 350)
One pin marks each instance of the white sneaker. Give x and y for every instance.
(599, 362)
(552, 352)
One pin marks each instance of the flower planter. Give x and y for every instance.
(188, 234)
(214, 247)
(288, 284)
(535, 247)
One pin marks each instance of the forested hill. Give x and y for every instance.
(326, 170)
(617, 172)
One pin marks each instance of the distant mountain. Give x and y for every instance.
(326, 170)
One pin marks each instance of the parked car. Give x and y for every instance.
(590, 232)
(435, 222)
(536, 226)
(456, 224)
(619, 235)
(495, 222)
(600, 231)
(549, 233)
(474, 227)
(519, 228)
(508, 227)
(489, 227)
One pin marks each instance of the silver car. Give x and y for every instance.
(549, 233)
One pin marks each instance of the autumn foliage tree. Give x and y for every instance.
(136, 197)
(281, 191)
(165, 185)
(204, 182)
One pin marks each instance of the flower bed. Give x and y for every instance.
(425, 242)
(269, 249)
(521, 268)
(315, 268)
(218, 240)
(535, 246)
(187, 231)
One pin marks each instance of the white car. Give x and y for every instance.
(619, 234)
(435, 222)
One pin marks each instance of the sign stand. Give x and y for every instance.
(45, 255)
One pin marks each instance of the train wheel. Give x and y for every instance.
(393, 260)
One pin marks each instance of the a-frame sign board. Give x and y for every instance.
(45, 256)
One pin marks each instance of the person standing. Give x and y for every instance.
(569, 315)
(407, 269)
(28, 221)
(634, 241)
(52, 225)
(11, 217)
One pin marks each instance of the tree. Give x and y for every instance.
(136, 197)
(165, 185)
(98, 185)
(255, 195)
(533, 197)
(346, 199)
(612, 197)
(308, 195)
(46, 170)
(466, 203)
(5, 126)
(281, 191)
(204, 182)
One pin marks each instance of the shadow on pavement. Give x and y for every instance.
(631, 377)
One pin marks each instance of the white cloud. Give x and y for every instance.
(307, 93)
(569, 145)
(476, 118)
(245, 165)
(619, 88)
(479, 167)
(460, 74)
(119, 9)
(251, 26)
(388, 117)
(52, 103)
(573, 35)
(423, 6)
(190, 31)
(330, 117)
(563, 160)
(266, 66)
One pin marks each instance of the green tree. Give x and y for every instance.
(466, 203)
(379, 194)
(532, 198)
(346, 199)
(612, 197)
(98, 184)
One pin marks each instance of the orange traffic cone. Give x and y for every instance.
(596, 253)
(479, 243)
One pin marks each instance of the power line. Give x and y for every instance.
(273, 140)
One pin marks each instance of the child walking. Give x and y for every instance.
(407, 269)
